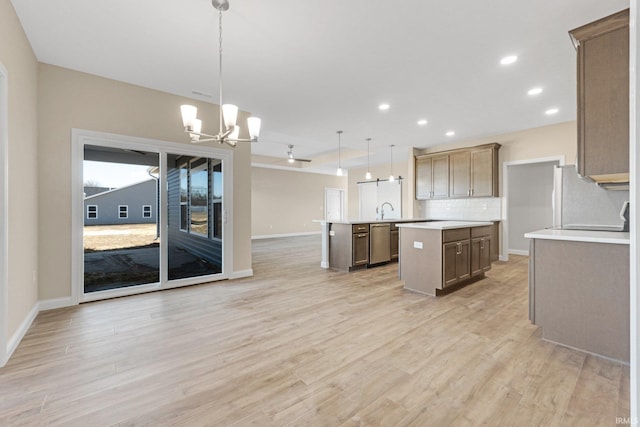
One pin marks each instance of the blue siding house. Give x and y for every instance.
(133, 204)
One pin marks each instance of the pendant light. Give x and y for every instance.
(368, 175)
(391, 178)
(339, 171)
(228, 130)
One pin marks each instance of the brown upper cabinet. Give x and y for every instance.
(469, 172)
(603, 98)
(432, 177)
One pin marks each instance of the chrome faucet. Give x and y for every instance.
(382, 209)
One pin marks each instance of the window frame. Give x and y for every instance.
(126, 211)
(146, 214)
(88, 212)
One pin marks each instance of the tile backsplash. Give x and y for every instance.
(480, 209)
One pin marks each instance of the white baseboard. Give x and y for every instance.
(273, 236)
(22, 330)
(518, 252)
(240, 274)
(52, 304)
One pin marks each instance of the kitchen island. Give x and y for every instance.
(440, 254)
(579, 289)
(352, 244)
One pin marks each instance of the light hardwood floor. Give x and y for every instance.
(298, 345)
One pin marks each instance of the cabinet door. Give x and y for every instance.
(440, 177)
(463, 262)
(394, 244)
(460, 167)
(485, 254)
(480, 255)
(476, 256)
(603, 96)
(423, 178)
(482, 173)
(449, 263)
(360, 248)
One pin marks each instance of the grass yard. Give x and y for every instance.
(108, 237)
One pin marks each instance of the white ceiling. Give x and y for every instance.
(309, 68)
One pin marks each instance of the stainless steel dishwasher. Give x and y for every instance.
(380, 243)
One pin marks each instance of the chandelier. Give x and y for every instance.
(229, 131)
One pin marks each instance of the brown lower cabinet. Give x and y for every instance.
(360, 250)
(455, 262)
(481, 249)
(432, 260)
(395, 246)
(350, 245)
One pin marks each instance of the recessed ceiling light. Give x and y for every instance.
(383, 107)
(450, 133)
(508, 60)
(535, 91)
(551, 111)
(422, 122)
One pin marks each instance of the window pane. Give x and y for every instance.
(199, 197)
(196, 252)
(184, 197)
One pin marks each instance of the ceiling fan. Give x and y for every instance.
(291, 158)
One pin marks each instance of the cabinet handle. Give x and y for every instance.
(459, 248)
(471, 192)
(481, 243)
(362, 235)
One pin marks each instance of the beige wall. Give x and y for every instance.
(286, 202)
(547, 141)
(69, 99)
(17, 57)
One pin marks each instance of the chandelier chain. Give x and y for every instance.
(220, 66)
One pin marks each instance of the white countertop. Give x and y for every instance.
(445, 225)
(372, 221)
(614, 237)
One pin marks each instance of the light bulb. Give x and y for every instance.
(230, 115)
(253, 123)
(189, 113)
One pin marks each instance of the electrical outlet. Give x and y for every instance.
(417, 245)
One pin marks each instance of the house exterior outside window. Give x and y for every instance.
(123, 211)
(92, 211)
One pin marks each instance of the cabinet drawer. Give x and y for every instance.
(481, 231)
(360, 228)
(455, 234)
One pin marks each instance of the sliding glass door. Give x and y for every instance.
(121, 239)
(153, 217)
(194, 214)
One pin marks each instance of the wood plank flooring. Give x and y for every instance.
(298, 345)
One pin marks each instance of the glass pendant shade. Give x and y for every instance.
(235, 133)
(230, 115)
(253, 123)
(197, 128)
(368, 175)
(189, 113)
(391, 178)
(339, 172)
